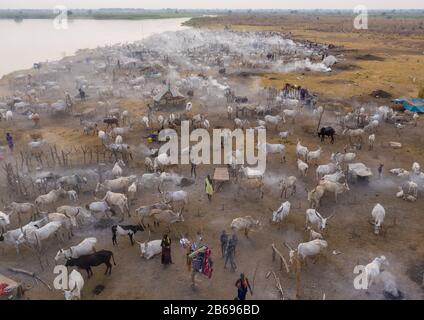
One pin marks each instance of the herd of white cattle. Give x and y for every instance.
(48, 221)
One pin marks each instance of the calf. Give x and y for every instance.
(93, 260)
(378, 213)
(372, 270)
(125, 231)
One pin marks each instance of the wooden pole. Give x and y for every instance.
(282, 260)
(320, 118)
(298, 283)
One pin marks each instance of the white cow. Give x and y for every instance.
(49, 198)
(273, 120)
(308, 249)
(175, 198)
(34, 236)
(119, 200)
(246, 224)
(288, 183)
(99, 207)
(229, 112)
(314, 155)
(85, 247)
(117, 168)
(334, 187)
(119, 184)
(282, 212)
(326, 169)
(301, 151)
(373, 269)
(335, 177)
(132, 191)
(75, 285)
(371, 141)
(11, 237)
(273, 149)
(149, 249)
(4, 221)
(378, 213)
(314, 217)
(119, 140)
(302, 167)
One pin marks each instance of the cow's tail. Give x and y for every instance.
(113, 259)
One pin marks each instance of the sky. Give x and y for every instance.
(214, 4)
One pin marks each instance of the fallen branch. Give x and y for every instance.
(282, 260)
(277, 283)
(31, 274)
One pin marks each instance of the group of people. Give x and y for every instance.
(295, 92)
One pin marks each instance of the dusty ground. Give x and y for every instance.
(349, 231)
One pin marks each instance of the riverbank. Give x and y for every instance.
(388, 56)
(102, 14)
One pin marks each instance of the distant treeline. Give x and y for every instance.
(137, 14)
(105, 14)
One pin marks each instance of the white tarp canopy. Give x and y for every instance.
(359, 169)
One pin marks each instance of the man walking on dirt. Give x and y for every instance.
(9, 140)
(193, 170)
(243, 286)
(224, 241)
(229, 254)
(380, 170)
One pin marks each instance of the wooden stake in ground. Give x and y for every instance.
(282, 260)
(298, 284)
(320, 118)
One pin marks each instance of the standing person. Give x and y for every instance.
(209, 187)
(81, 94)
(229, 255)
(235, 240)
(380, 170)
(224, 240)
(193, 170)
(166, 250)
(243, 286)
(9, 140)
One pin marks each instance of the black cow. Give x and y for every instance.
(125, 230)
(241, 100)
(110, 122)
(327, 131)
(93, 260)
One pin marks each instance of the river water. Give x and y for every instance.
(37, 40)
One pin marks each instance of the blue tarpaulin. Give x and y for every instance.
(413, 105)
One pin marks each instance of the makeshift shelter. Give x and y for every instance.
(358, 171)
(10, 289)
(413, 105)
(169, 96)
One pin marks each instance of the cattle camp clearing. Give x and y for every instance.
(85, 185)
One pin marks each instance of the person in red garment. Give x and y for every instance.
(166, 250)
(243, 286)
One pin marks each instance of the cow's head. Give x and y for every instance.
(70, 263)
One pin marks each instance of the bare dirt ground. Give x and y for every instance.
(349, 231)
